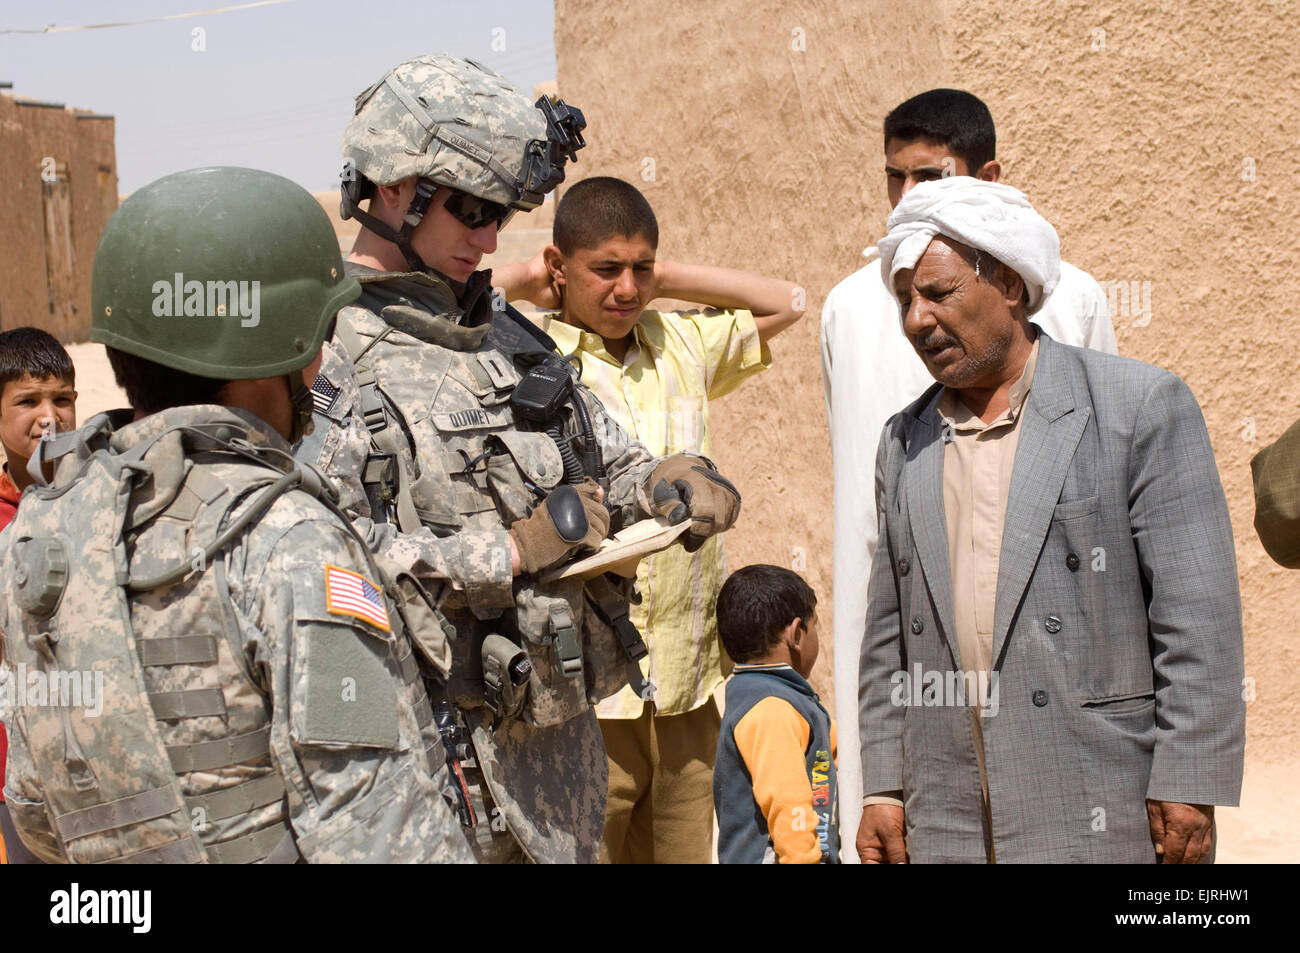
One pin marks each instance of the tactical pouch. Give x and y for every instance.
(526, 467)
(576, 657)
(428, 628)
(506, 670)
(552, 636)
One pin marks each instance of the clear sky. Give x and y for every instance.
(274, 87)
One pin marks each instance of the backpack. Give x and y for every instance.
(111, 785)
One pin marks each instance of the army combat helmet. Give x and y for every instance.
(220, 272)
(452, 122)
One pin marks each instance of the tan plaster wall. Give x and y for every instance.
(85, 147)
(1131, 142)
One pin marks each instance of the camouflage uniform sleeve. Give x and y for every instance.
(22, 789)
(344, 733)
(475, 563)
(627, 464)
(25, 799)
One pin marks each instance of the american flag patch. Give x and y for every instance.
(323, 393)
(350, 593)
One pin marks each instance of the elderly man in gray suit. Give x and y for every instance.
(1052, 664)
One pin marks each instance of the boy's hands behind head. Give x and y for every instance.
(529, 281)
(542, 289)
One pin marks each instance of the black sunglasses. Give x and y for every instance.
(474, 212)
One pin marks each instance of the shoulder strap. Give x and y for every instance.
(372, 407)
(513, 334)
(382, 436)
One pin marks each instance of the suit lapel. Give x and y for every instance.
(1053, 423)
(923, 486)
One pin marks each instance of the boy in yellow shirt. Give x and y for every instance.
(656, 372)
(774, 784)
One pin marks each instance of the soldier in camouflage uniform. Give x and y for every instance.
(260, 699)
(469, 483)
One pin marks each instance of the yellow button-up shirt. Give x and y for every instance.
(660, 392)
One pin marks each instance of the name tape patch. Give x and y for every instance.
(474, 418)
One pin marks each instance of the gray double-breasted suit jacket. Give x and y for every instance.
(1117, 641)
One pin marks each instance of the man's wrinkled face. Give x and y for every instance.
(961, 327)
(29, 406)
(606, 288)
(443, 243)
(909, 162)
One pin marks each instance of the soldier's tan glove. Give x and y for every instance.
(571, 518)
(686, 486)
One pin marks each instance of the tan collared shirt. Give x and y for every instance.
(978, 460)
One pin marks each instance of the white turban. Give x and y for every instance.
(989, 216)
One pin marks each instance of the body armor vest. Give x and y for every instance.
(463, 461)
(176, 768)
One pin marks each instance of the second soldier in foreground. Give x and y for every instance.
(247, 692)
(467, 430)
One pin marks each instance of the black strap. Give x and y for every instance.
(513, 334)
(611, 609)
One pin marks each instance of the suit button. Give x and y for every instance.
(904, 566)
(1040, 698)
(1072, 562)
(917, 626)
(1053, 624)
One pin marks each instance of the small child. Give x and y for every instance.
(774, 784)
(37, 393)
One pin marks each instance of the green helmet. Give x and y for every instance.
(452, 122)
(220, 272)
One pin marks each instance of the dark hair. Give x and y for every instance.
(32, 351)
(151, 387)
(951, 117)
(595, 210)
(756, 603)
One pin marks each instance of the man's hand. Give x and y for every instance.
(880, 835)
(684, 486)
(528, 281)
(1182, 833)
(554, 529)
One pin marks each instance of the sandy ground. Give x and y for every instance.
(1264, 829)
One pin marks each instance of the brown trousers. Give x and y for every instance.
(660, 807)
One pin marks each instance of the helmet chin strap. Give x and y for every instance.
(303, 405)
(415, 212)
